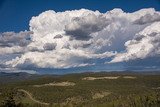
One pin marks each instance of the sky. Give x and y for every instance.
(57, 36)
(16, 14)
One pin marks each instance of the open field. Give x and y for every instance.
(85, 90)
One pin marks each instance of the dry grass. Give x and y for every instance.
(99, 78)
(129, 77)
(100, 95)
(57, 84)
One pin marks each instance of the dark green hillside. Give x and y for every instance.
(86, 89)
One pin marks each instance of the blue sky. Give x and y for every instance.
(15, 14)
(74, 37)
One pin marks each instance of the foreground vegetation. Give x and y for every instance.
(136, 90)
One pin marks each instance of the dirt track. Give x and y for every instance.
(30, 97)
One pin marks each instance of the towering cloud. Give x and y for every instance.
(81, 37)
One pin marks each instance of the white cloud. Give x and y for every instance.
(72, 38)
(9, 39)
(148, 17)
(145, 44)
(81, 27)
(11, 42)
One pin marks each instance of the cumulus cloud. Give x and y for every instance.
(11, 42)
(145, 44)
(62, 59)
(49, 46)
(149, 17)
(9, 39)
(81, 27)
(81, 37)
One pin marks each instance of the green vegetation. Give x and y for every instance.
(142, 91)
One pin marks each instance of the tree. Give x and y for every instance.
(9, 100)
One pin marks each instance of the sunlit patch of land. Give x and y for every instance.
(62, 84)
(99, 78)
(129, 77)
(99, 95)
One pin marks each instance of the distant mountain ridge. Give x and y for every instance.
(10, 77)
(18, 76)
(14, 73)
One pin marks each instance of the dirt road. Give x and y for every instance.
(30, 97)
